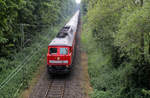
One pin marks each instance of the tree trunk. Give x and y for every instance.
(141, 3)
(142, 47)
(149, 47)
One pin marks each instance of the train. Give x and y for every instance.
(61, 50)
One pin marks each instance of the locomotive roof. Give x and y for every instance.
(67, 34)
(61, 42)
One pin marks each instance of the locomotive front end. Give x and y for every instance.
(59, 59)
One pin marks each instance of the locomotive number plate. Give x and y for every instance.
(57, 62)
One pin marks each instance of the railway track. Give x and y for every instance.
(56, 89)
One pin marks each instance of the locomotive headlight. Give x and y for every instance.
(65, 62)
(67, 66)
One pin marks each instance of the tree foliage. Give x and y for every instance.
(120, 30)
(35, 13)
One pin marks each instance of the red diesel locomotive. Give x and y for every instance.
(61, 49)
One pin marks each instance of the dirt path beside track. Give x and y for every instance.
(74, 85)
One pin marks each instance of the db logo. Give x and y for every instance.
(58, 58)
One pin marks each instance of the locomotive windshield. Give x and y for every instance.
(53, 50)
(63, 51)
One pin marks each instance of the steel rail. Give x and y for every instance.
(63, 90)
(49, 87)
(47, 93)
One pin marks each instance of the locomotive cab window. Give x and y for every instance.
(53, 50)
(63, 51)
